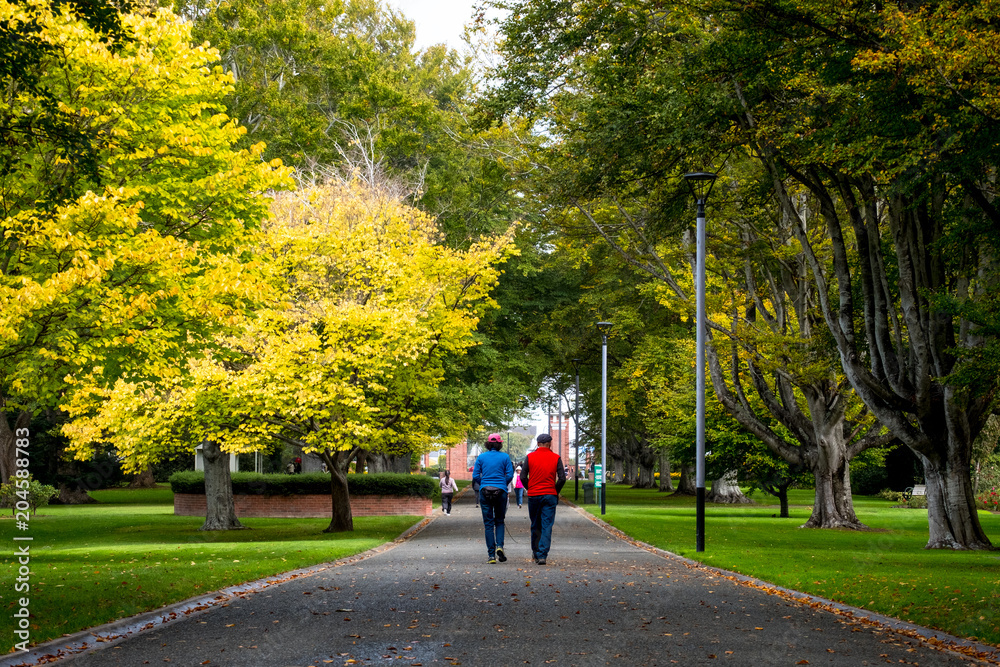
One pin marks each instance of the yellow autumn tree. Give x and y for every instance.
(125, 205)
(351, 356)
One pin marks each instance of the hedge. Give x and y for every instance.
(251, 483)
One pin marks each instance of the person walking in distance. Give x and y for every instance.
(518, 487)
(493, 472)
(448, 489)
(544, 475)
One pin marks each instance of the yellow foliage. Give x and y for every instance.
(125, 267)
(369, 307)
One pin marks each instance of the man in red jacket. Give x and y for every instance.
(543, 475)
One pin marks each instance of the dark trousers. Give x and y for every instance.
(446, 502)
(542, 512)
(494, 508)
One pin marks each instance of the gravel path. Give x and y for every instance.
(433, 600)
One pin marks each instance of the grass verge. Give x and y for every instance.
(93, 564)
(886, 570)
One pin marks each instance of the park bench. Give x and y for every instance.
(916, 490)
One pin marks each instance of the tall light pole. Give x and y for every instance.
(701, 183)
(604, 328)
(576, 434)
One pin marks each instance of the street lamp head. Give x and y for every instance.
(604, 327)
(701, 183)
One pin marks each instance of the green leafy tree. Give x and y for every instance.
(904, 294)
(852, 159)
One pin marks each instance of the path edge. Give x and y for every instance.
(113, 632)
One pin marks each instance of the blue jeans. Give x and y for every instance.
(494, 512)
(519, 495)
(542, 512)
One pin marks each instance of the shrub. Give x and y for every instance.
(895, 496)
(31, 490)
(989, 500)
(904, 499)
(251, 483)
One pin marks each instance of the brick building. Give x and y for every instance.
(562, 444)
(455, 459)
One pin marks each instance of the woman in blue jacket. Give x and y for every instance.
(493, 472)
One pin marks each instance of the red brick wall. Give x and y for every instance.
(307, 505)
(456, 460)
(561, 443)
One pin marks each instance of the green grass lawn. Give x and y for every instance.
(92, 564)
(886, 570)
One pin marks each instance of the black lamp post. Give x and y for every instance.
(604, 328)
(701, 183)
(576, 434)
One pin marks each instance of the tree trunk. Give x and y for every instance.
(646, 463)
(647, 480)
(951, 514)
(338, 462)
(686, 485)
(833, 506)
(951, 504)
(361, 461)
(726, 489)
(666, 484)
(220, 513)
(377, 463)
(781, 491)
(7, 438)
(400, 463)
(73, 496)
(618, 468)
(144, 480)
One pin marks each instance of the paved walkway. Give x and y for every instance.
(433, 600)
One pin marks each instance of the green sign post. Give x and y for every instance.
(598, 476)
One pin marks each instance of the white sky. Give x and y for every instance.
(437, 20)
